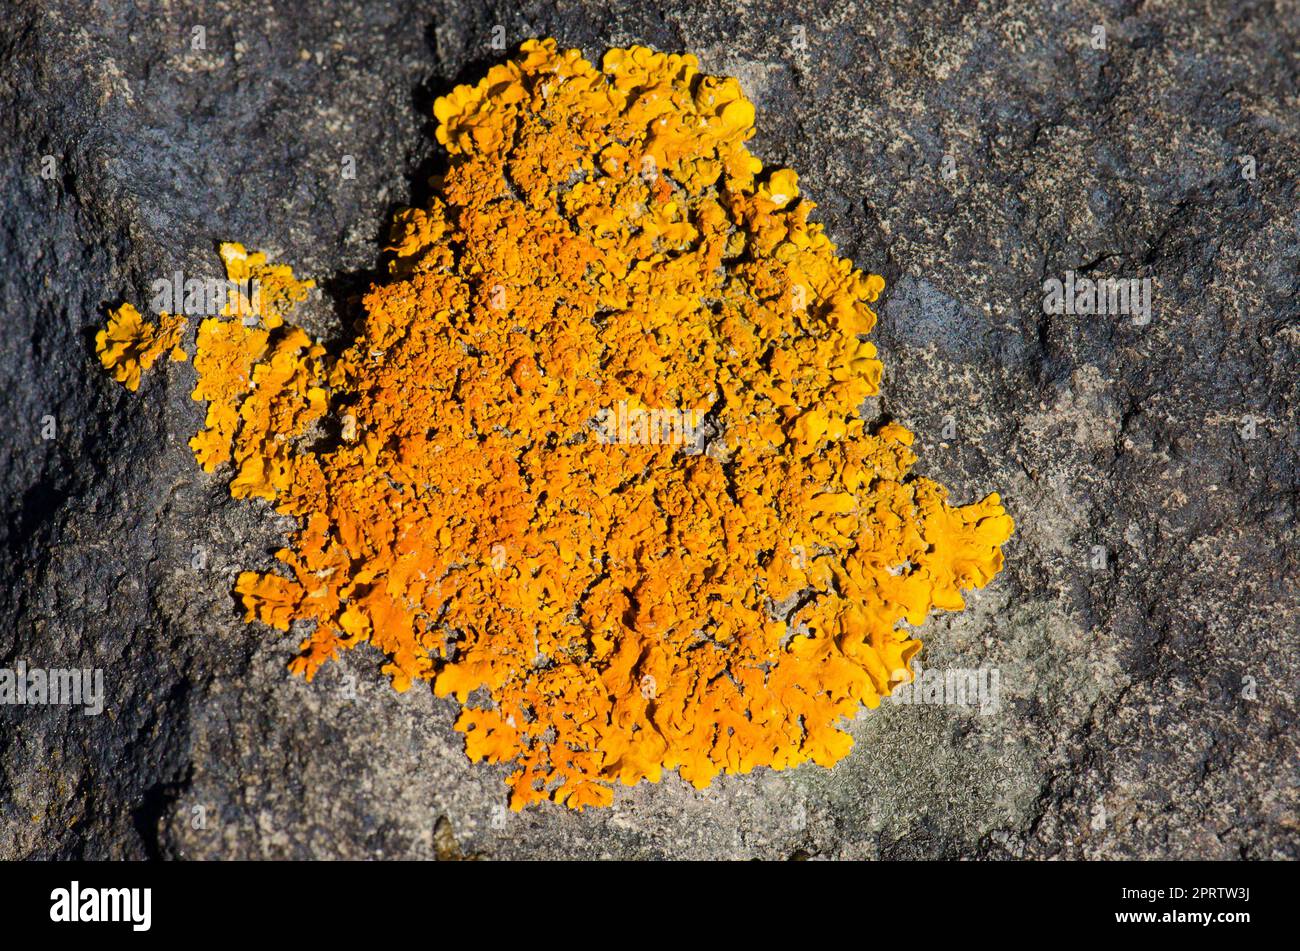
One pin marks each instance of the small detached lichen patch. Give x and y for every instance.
(605, 601)
(129, 345)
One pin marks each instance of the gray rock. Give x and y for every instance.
(1147, 707)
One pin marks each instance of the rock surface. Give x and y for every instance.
(1145, 631)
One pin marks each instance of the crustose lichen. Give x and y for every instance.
(603, 606)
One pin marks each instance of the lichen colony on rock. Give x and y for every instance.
(602, 609)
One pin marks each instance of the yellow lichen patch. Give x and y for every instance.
(286, 399)
(596, 465)
(272, 290)
(264, 387)
(225, 353)
(130, 345)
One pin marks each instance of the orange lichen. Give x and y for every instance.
(605, 607)
(262, 383)
(130, 345)
(274, 289)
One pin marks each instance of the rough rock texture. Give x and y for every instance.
(1147, 706)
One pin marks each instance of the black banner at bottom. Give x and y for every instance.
(596, 902)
